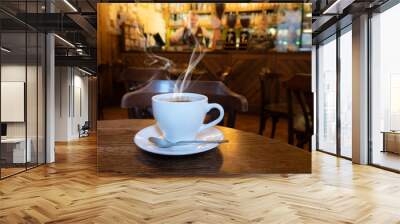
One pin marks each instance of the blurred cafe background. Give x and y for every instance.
(253, 58)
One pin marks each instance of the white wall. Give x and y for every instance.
(33, 127)
(71, 102)
(12, 73)
(62, 81)
(80, 84)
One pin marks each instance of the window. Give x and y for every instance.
(346, 93)
(329, 111)
(385, 89)
(327, 96)
(22, 101)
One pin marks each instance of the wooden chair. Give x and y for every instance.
(225, 75)
(271, 105)
(216, 92)
(83, 130)
(300, 124)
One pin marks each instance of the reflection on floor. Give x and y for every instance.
(10, 171)
(387, 159)
(13, 170)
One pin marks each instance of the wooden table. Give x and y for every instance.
(246, 153)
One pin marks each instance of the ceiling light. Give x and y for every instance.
(337, 7)
(5, 50)
(331, 7)
(80, 51)
(70, 5)
(65, 41)
(84, 71)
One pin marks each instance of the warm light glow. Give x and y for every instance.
(272, 31)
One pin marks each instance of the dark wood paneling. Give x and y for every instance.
(246, 66)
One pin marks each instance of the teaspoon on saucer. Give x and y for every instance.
(164, 143)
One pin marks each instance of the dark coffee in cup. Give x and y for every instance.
(181, 117)
(180, 99)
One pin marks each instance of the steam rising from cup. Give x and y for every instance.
(184, 79)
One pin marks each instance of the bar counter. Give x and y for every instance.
(245, 66)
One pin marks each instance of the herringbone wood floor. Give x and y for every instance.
(70, 191)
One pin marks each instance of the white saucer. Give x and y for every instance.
(141, 140)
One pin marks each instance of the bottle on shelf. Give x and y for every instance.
(230, 40)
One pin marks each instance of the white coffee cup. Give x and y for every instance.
(183, 120)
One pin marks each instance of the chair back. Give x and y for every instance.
(86, 125)
(299, 89)
(135, 77)
(216, 91)
(270, 88)
(117, 69)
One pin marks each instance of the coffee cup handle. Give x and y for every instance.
(216, 121)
